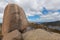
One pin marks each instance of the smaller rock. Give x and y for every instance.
(14, 35)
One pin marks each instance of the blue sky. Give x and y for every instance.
(36, 10)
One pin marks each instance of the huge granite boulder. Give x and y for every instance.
(14, 18)
(40, 34)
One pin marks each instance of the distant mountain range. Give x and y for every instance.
(55, 23)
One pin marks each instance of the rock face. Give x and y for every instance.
(14, 18)
(40, 34)
(14, 35)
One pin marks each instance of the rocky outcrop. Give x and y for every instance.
(40, 34)
(14, 35)
(36, 34)
(14, 18)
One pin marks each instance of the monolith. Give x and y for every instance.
(14, 18)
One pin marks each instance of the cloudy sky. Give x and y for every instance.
(36, 10)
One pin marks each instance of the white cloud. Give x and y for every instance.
(49, 17)
(32, 13)
(1, 15)
(52, 4)
(31, 6)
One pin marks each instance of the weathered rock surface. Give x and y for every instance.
(14, 18)
(14, 35)
(40, 34)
